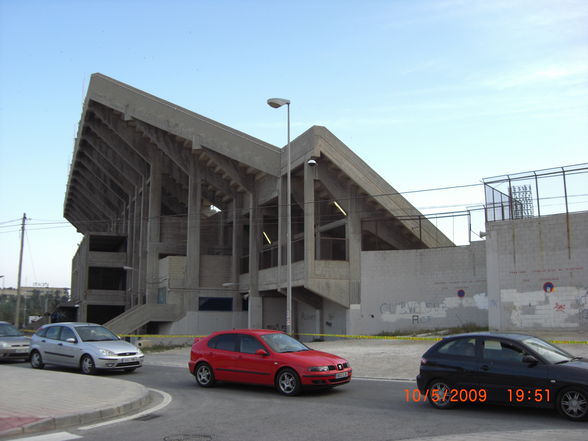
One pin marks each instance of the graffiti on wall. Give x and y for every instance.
(424, 312)
(543, 309)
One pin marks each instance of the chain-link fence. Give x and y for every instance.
(537, 193)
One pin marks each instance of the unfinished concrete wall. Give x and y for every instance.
(203, 322)
(538, 273)
(406, 290)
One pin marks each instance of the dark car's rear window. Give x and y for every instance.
(465, 347)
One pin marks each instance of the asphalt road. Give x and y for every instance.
(361, 410)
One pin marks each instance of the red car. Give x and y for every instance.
(265, 357)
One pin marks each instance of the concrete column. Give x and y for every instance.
(129, 250)
(142, 272)
(236, 240)
(353, 234)
(495, 316)
(282, 213)
(309, 222)
(154, 228)
(192, 273)
(255, 304)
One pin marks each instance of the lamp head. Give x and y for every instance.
(277, 102)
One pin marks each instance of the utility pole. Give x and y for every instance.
(17, 312)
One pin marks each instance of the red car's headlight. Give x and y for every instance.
(319, 369)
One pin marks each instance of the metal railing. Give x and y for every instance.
(537, 193)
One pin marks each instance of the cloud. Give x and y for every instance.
(574, 73)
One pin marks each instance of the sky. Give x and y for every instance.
(430, 94)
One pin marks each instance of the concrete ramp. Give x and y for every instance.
(139, 316)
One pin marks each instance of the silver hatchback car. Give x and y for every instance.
(87, 346)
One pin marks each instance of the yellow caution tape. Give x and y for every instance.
(353, 337)
(160, 336)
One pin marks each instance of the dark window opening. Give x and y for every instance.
(371, 240)
(215, 304)
(103, 313)
(108, 244)
(332, 244)
(113, 279)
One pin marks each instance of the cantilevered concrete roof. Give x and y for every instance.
(124, 132)
(120, 125)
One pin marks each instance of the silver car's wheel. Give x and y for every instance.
(87, 365)
(37, 360)
(573, 404)
(288, 383)
(440, 394)
(204, 375)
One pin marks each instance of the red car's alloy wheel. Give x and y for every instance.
(204, 375)
(288, 382)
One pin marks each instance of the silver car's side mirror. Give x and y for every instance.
(71, 340)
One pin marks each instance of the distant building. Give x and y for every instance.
(41, 289)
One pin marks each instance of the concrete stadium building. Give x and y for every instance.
(184, 222)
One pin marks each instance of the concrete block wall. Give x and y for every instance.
(538, 273)
(203, 323)
(408, 290)
(214, 271)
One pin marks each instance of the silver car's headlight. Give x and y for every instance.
(319, 369)
(107, 352)
(4, 345)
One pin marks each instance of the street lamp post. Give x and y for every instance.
(275, 103)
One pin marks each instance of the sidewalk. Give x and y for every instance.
(44, 400)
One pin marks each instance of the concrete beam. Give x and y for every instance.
(100, 178)
(95, 194)
(229, 169)
(178, 154)
(127, 134)
(92, 177)
(114, 157)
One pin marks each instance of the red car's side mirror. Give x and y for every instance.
(261, 352)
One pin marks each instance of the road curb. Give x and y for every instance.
(76, 419)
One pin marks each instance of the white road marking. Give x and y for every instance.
(393, 380)
(58, 436)
(166, 400)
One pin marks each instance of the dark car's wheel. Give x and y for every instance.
(572, 403)
(288, 383)
(37, 360)
(87, 365)
(204, 375)
(440, 394)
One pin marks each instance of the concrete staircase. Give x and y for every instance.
(138, 316)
